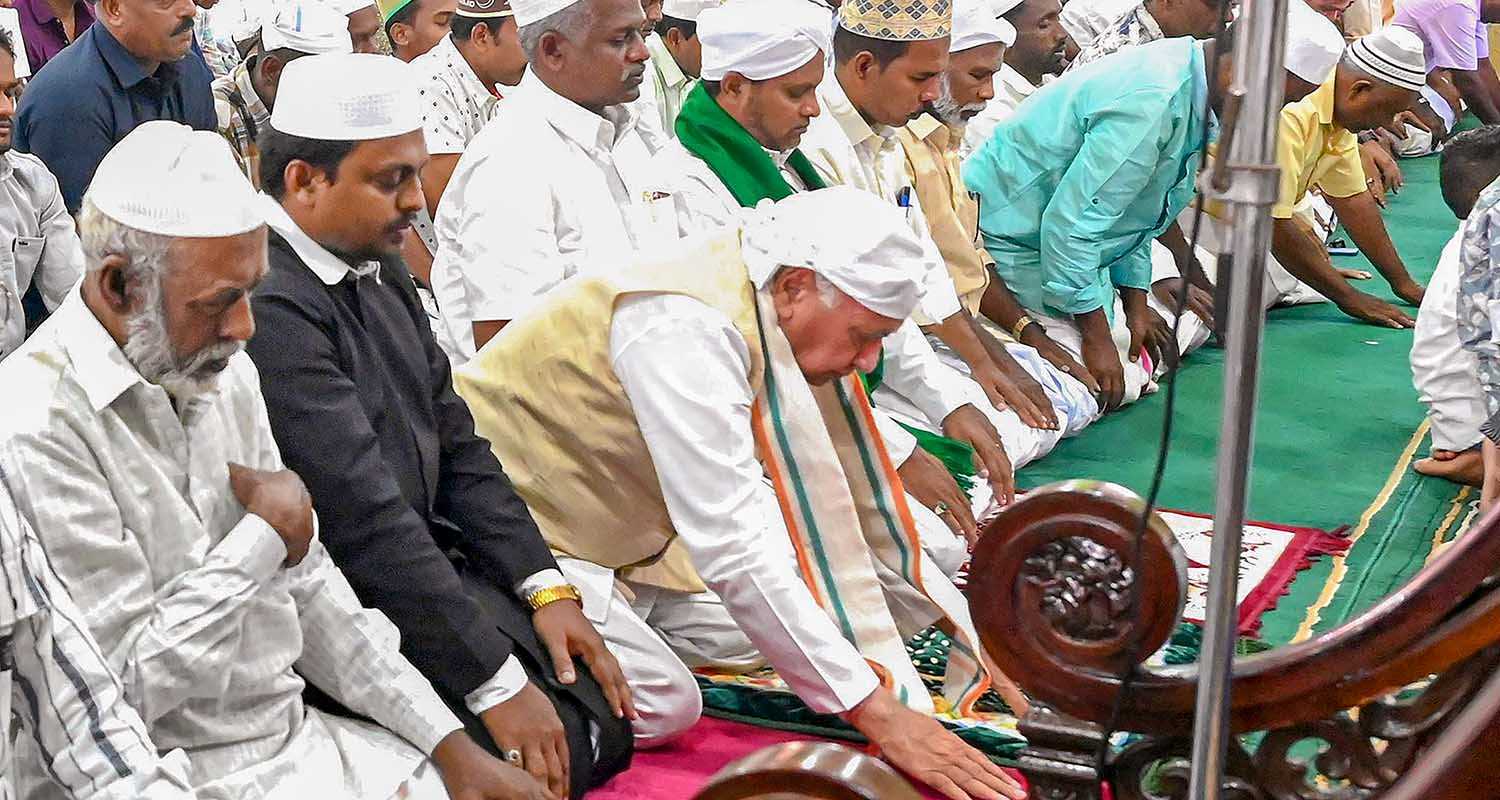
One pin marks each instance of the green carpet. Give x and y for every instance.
(1337, 412)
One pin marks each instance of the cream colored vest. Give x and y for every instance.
(545, 395)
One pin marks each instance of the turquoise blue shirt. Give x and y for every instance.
(1076, 184)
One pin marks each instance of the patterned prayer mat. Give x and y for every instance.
(1272, 557)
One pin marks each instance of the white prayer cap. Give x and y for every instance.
(761, 39)
(347, 7)
(347, 97)
(878, 261)
(687, 9)
(306, 27)
(975, 25)
(1392, 54)
(1002, 7)
(168, 179)
(1313, 43)
(529, 11)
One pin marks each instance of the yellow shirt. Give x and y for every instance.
(952, 210)
(1313, 150)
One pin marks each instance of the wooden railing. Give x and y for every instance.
(1051, 587)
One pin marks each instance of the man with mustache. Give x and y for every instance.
(643, 410)
(930, 144)
(139, 62)
(141, 455)
(1039, 51)
(415, 508)
(553, 185)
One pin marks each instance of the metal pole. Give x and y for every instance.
(1246, 180)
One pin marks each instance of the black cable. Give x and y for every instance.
(1164, 446)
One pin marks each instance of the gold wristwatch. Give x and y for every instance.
(552, 594)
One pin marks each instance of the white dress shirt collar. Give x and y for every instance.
(590, 131)
(100, 365)
(328, 267)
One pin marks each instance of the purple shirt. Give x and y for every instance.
(1450, 30)
(43, 31)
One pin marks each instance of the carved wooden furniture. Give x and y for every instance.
(808, 771)
(1051, 586)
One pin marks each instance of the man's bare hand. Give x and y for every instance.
(528, 723)
(1150, 332)
(282, 501)
(1103, 362)
(1058, 357)
(470, 773)
(925, 478)
(567, 633)
(1200, 302)
(1375, 311)
(968, 424)
(922, 748)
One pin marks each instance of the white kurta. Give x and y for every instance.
(548, 189)
(1445, 374)
(185, 592)
(684, 366)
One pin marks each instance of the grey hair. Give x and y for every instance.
(571, 22)
(103, 236)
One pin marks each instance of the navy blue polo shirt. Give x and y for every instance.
(93, 93)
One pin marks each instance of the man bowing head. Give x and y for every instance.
(644, 409)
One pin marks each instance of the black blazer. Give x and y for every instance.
(412, 503)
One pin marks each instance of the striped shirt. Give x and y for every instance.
(212, 638)
(69, 702)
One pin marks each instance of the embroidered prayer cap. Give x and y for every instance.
(974, 26)
(897, 20)
(761, 39)
(484, 9)
(389, 8)
(1313, 43)
(529, 11)
(877, 261)
(306, 27)
(687, 9)
(347, 97)
(168, 179)
(1394, 55)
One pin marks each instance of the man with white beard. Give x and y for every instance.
(141, 454)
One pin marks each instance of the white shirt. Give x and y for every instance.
(546, 190)
(63, 692)
(211, 637)
(455, 105)
(38, 243)
(1011, 88)
(510, 679)
(684, 366)
(845, 149)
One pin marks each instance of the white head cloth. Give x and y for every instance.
(999, 8)
(1313, 43)
(876, 262)
(1392, 54)
(529, 11)
(307, 27)
(347, 97)
(687, 9)
(761, 39)
(168, 179)
(347, 7)
(974, 24)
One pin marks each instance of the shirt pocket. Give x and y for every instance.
(26, 252)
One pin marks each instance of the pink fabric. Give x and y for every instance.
(1451, 32)
(678, 770)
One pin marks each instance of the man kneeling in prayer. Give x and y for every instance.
(645, 408)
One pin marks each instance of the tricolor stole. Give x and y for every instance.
(849, 523)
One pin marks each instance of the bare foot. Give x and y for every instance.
(1466, 468)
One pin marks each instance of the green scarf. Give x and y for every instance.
(707, 131)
